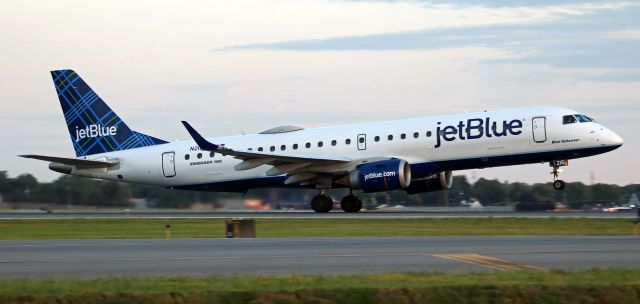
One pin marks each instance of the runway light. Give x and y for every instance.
(167, 231)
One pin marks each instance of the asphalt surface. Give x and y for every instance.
(389, 214)
(221, 257)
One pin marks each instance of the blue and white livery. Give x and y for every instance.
(414, 155)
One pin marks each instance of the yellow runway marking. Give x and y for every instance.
(478, 259)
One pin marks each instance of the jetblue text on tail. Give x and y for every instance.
(92, 131)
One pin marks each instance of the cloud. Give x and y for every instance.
(569, 36)
(632, 33)
(455, 24)
(521, 3)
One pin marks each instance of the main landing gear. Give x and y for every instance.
(351, 203)
(558, 184)
(323, 203)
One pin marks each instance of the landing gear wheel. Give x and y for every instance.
(359, 207)
(351, 203)
(558, 184)
(322, 203)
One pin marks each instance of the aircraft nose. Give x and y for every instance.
(613, 139)
(616, 139)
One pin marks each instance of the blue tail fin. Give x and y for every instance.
(93, 126)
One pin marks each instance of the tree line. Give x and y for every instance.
(71, 190)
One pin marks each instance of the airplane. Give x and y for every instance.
(415, 155)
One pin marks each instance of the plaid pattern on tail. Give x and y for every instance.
(93, 126)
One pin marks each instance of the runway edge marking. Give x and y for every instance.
(487, 261)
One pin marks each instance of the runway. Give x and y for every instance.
(406, 214)
(263, 256)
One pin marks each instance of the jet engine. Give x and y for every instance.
(382, 175)
(434, 182)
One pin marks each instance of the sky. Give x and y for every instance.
(245, 66)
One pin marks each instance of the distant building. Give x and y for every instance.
(140, 203)
(633, 201)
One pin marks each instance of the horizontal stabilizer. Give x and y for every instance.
(84, 163)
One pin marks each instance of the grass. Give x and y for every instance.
(589, 286)
(203, 228)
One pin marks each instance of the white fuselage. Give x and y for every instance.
(451, 142)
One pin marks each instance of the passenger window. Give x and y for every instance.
(199, 155)
(334, 142)
(361, 140)
(283, 147)
(320, 144)
(377, 138)
(273, 148)
(348, 141)
(568, 119)
(295, 146)
(403, 136)
(416, 134)
(212, 154)
(260, 149)
(250, 149)
(187, 156)
(308, 145)
(390, 137)
(428, 133)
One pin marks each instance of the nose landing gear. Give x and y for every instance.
(558, 184)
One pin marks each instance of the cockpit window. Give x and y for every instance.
(583, 118)
(568, 119)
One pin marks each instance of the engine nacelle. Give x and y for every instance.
(382, 175)
(430, 183)
(60, 168)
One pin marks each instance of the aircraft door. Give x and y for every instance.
(362, 141)
(169, 164)
(539, 129)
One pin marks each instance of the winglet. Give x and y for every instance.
(202, 143)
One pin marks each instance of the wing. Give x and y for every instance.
(302, 169)
(83, 163)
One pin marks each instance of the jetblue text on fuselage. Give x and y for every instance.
(92, 131)
(475, 128)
